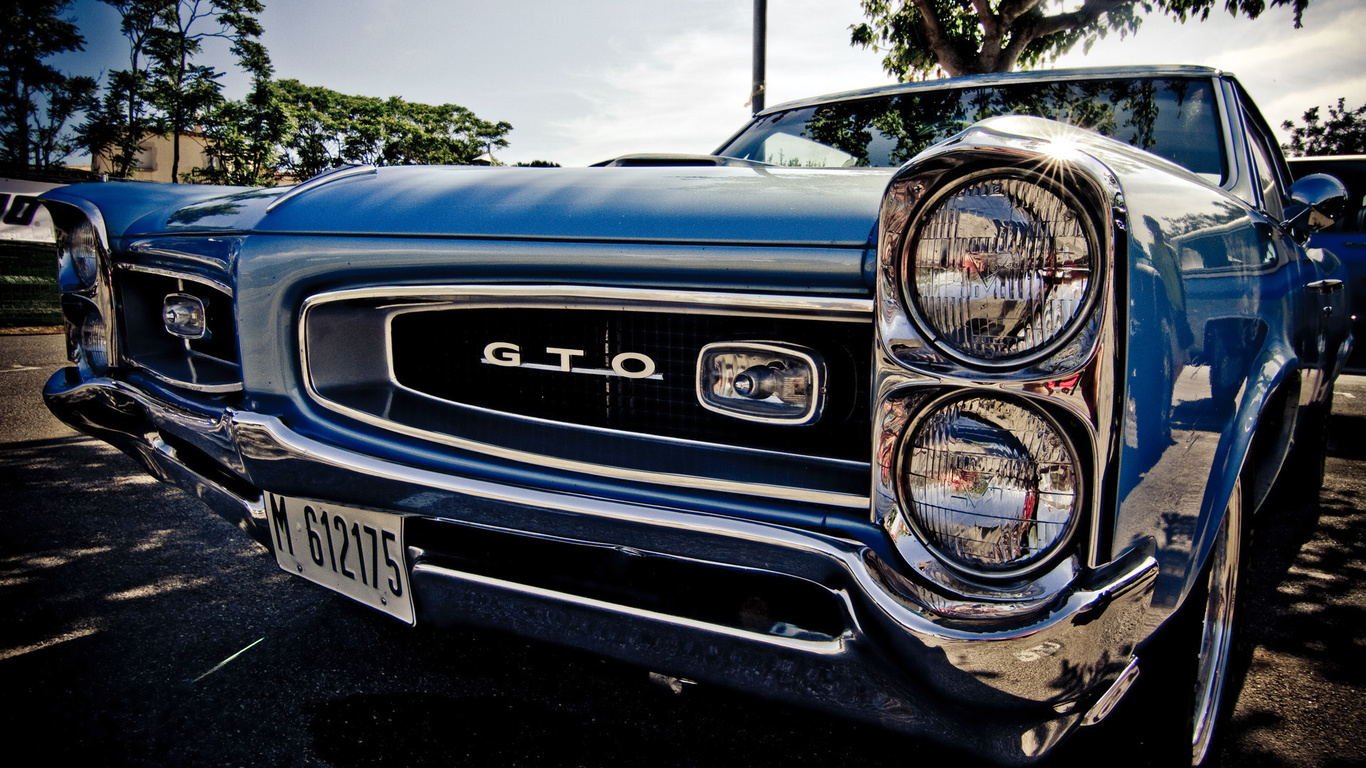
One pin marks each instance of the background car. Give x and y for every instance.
(959, 436)
(1346, 238)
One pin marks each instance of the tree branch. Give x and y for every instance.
(936, 40)
(1081, 18)
(1010, 10)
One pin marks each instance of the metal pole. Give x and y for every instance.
(756, 94)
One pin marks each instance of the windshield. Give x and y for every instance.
(1176, 118)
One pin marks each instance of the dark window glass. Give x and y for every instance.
(1176, 118)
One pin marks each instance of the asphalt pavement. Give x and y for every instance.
(137, 628)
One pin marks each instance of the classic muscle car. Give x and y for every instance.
(945, 405)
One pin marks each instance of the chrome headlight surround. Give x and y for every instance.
(1066, 381)
(85, 279)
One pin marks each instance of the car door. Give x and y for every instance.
(1318, 296)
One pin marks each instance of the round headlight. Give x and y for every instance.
(94, 342)
(83, 248)
(999, 270)
(990, 486)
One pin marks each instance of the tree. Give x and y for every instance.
(34, 31)
(180, 89)
(967, 37)
(51, 142)
(245, 137)
(116, 129)
(332, 129)
(1343, 133)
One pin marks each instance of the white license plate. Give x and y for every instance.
(356, 552)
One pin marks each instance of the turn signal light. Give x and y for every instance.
(184, 316)
(761, 381)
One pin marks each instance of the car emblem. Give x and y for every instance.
(630, 365)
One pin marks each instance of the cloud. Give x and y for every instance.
(686, 88)
(687, 95)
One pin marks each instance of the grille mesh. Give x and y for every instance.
(439, 353)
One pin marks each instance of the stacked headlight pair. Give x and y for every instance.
(83, 277)
(995, 273)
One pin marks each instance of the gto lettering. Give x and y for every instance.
(502, 353)
(647, 366)
(629, 365)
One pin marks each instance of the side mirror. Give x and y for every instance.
(1318, 200)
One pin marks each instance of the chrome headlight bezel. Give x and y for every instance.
(1069, 379)
(85, 279)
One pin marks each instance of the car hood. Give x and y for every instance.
(821, 207)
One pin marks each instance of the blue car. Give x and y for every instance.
(946, 406)
(1346, 238)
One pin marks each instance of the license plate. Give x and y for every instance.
(357, 552)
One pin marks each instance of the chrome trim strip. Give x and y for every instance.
(319, 180)
(211, 389)
(433, 297)
(513, 296)
(820, 647)
(303, 447)
(161, 272)
(152, 247)
(598, 469)
(1112, 696)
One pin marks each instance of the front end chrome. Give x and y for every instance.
(372, 390)
(1066, 377)
(876, 650)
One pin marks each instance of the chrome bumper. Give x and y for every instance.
(1009, 693)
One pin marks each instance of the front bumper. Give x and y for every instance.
(821, 621)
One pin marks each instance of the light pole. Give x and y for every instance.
(756, 93)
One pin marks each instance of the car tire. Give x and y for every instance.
(1309, 455)
(1195, 664)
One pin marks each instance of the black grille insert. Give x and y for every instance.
(439, 353)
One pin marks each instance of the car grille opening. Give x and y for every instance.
(667, 406)
(596, 380)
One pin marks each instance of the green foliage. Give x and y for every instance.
(164, 91)
(51, 141)
(281, 128)
(1343, 133)
(330, 129)
(182, 91)
(37, 100)
(923, 38)
(123, 119)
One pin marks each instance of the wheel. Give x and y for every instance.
(1308, 457)
(1213, 667)
(1193, 666)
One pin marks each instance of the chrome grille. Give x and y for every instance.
(415, 361)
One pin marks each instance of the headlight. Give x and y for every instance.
(989, 485)
(79, 255)
(87, 297)
(999, 270)
(94, 343)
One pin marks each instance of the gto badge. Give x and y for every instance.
(630, 365)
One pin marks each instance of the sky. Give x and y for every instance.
(582, 82)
